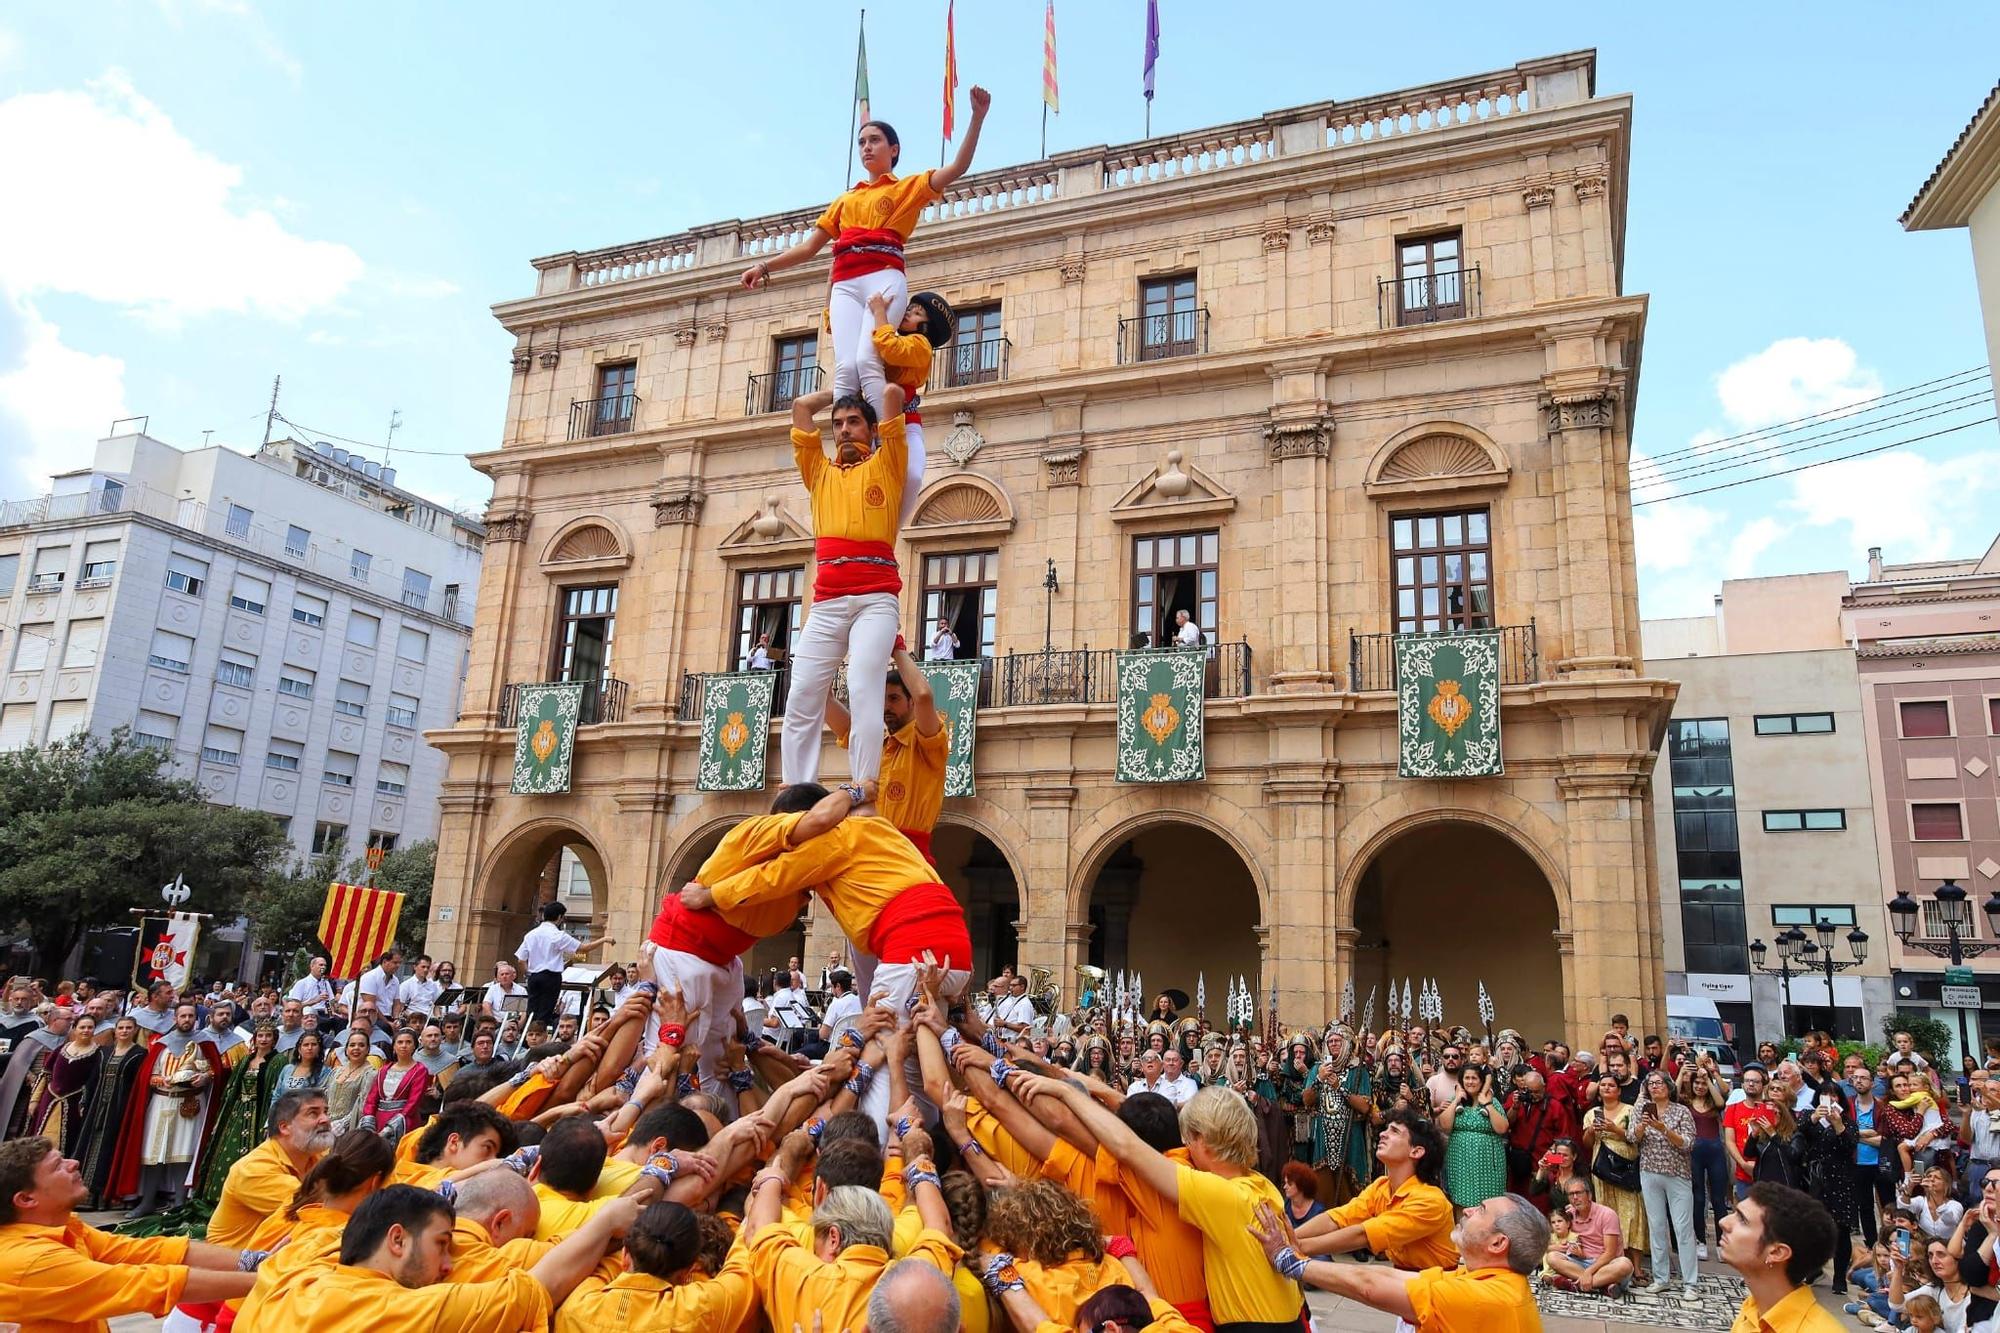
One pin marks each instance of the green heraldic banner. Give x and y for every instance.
(1160, 715)
(955, 685)
(545, 737)
(1448, 706)
(735, 730)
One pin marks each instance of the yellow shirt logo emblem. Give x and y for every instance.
(1450, 709)
(1161, 718)
(544, 741)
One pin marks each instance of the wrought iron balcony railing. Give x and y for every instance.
(615, 415)
(603, 701)
(774, 391)
(689, 709)
(1428, 298)
(1156, 337)
(1371, 658)
(963, 364)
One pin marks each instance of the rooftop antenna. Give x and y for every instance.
(204, 437)
(395, 420)
(271, 416)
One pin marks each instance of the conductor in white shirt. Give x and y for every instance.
(313, 990)
(418, 996)
(943, 645)
(544, 952)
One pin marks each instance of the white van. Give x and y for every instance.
(1695, 1020)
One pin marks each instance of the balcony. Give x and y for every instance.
(1157, 337)
(1371, 658)
(604, 703)
(591, 417)
(691, 687)
(962, 365)
(1428, 298)
(775, 391)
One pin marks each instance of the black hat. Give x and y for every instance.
(939, 321)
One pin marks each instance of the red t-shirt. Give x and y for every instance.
(1736, 1122)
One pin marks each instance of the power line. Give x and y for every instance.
(1807, 467)
(319, 434)
(1791, 447)
(1923, 389)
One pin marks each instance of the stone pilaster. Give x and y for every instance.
(1581, 411)
(1299, 438)
(1048, 936)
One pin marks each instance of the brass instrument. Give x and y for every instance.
(1042, 989)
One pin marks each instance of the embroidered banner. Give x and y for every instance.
(544, 737)
(1448, 705)
(735, 730)
(956, 688)
(166, 946)
(1160, 715)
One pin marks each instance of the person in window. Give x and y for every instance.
(943, 645)
(1187, 634)
(760, 654)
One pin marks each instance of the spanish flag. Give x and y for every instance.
(356, 925)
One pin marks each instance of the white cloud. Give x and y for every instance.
(1914, 507)
(1751, 541)
(129, 212)
(10, 49)
(1793, 377)
(54, 400)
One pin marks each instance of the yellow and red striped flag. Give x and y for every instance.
(1049, 60)
(356, 925)
(950, 68)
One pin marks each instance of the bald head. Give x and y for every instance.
(502, 1202)
(913, 1297)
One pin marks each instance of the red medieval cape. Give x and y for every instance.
(125, 1163)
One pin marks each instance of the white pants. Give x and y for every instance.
(857, 366)
(900, 981)
(861, 629)
(913, 472)
(712, 991)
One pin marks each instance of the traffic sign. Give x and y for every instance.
(1959, 997)
(1958, 976)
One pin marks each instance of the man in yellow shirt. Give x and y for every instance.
(265, 1178)
(910, 791)
(855, 499)
(394, 1258)
(1402, 1215)
(493, 1232)
(1778, 1239)
(1484, 1290)
(657, 1290)
(60, 1275)
(464, 1134)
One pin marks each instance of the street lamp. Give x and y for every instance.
(1790, 944)
(1820, 955)
(1955, 914)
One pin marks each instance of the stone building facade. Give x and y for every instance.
(1316, 377)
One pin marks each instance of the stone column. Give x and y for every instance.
(1538, 197)
(1581, 410)
(677, 504)
(1045, 900)
(1063, 462)
(1615, 964)
(1298, 795)
(462, 811)
(1298, 437)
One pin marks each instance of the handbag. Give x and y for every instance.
(1621, 1172)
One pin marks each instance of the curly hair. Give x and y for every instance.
(1041, 1220)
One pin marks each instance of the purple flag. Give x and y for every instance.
(1152, 43)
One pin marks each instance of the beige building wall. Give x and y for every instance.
(1303, 423)
(1964, 191)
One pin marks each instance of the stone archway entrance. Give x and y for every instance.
(1462, 904)
(1176, 903)
(541, 862)
(978, 872)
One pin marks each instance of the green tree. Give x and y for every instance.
(93, 826)
(1931, 1036)
(410, 872)
(286, 913)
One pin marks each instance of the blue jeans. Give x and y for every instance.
(1711, 1187)
(1869, 1291)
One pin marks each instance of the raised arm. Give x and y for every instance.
(1020, 1123)
(923, 703)
(1115, 1136)
(946, 175)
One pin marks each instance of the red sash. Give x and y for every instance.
(859, 251)
(854, 577)
(704, 934)
(924, 918)
(921, 840)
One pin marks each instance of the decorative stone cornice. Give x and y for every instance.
(684, 336)
(521, 360)
(677, 506)
(1052, 796)
(1064, 467)
(1319, 232)
(1538, 194)
(1071, 268)
(1591, 409)
(1277, 238)
(551, 358)
(1590, 180)
(1307, 437)
(509, 525)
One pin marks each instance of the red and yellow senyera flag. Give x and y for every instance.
(356, 925)
(1049, 59)
(950, 68)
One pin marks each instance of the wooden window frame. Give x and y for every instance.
(807, 346)
(1169, 284)
(933, 590)
(742, 638)
(561, 657)
(1467, 549)
(1144, 588)
(963, 363)
(1430, 311)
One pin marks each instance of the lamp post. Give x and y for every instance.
(1052, 587)
(1790, 942)
(1955, 911)
(1820, 955)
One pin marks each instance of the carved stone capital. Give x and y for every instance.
(1590, 180)
(716, 330)
(1277, 238)
(677, 506)
(1538, 194)
(1319, 232)
(506, 525)
(551, 358)
(521, 359)
(684, 336)
(1071, 268)
(1064, 467)
(1595, 409)
(1307, 437)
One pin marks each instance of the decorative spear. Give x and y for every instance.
(1347, 999)
(1275, 1030)
(1486, 1012)
(1201, 994)
(1368, 1014)
(1409, 1010)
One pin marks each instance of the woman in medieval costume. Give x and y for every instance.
(72, 1072)
(245, 1101)
(391, 1103)
(1345, 1091)
(1298, 1095)
(97, 1136)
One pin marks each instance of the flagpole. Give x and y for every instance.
(853, 113)
(1045, 129)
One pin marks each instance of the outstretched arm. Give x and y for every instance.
(1372, 1284)
(946, 175)
(815, 240)
(1113, 1134)
(923, 703)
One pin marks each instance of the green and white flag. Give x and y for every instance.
(1448, 705)
(735, 730)
(544, 737)
(955, 685)
(1160, 715)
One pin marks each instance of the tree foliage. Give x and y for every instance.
(94, 825)
(1931, 1036)
(285, 915)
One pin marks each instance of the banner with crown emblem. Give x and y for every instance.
(1160, 715)
(955, 686)
(735, 730)
(544, 737)
(1448, 705)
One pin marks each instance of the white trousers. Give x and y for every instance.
(900, 981)
(713, 991)
(913, 472)
(857, 366)
(861, 629)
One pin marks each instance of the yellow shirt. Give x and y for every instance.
(637, 1303)
(994, 1140)
(1797, 1312)
(339, 1299)
(751, 842)
(1411, 1225)
(1242, 1285)
(262, 1181)
(475, 1258)
(1169, 1247)
(795, 1284)
(912, 781)
(858, 867)
(424, 1175)
(887, 203)
(75, 1278)
(313, 1240)
(1166, 1319)
(906, 357)
(527, 1101)
(1061, 1290)
(616, 1177)
(1482, 1300)
(857, 503)
(406, 1147)
(560, 1216)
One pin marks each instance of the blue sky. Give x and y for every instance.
(202, 193)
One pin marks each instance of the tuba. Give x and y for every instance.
(1093, 980)
(1042, 989)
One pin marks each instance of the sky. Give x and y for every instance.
(202, 194)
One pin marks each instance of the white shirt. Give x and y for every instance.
(313, 992)
(1014, 1013)
(1188, 635)
(1175, 1090)
(760, 658)
(381, 987)
(841, 1012)
(943, 647)
(1940, 1223)
(1139, 1085)
(753, 1013)
(546, 948)
(496, 993)
(791, 1007)
(420, 996)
